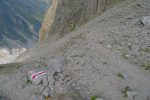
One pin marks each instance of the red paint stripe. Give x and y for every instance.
(34, 76)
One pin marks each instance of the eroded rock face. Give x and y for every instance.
(65, 15)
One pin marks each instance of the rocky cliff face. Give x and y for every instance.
(65, 15)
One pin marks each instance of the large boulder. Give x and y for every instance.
(64, 92)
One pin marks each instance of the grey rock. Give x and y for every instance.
(109, 46)
(51, 80)
(99, 99)
(36, 90)
(74, 85)
(41, 79)
(40, 89)
(128, 55)
(131, 94)
(52, 90)
(125, 76)
(78, 88)
(59, 68)
(45, 80)
(39, 98)
(146, 20)
(47, 92)
(67, 92)
(37, 81)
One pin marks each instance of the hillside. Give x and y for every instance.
(104, 58)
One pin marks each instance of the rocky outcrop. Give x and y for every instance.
(65, 15)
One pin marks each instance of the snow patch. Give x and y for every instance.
(7, 56)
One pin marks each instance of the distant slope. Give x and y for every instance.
(20, 21)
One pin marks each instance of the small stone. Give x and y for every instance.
(109, 46)
(130, 45)
(56, 78)
(58, 68)
(98, 99)
(35, 89)
(146, 20)
(128, 56)
(74, 85)
(67, 92)
(47, 92)
(104, 62)
(45, 80)
(135, 60)
(39, 98)
(131, 94)
(52, 90)
(119, 48)
(126, 76)
(41, 79)
(51, 80)
(37, 81)
(78, 88)
(40, 89)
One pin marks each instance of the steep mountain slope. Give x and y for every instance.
(102, 58)
(20, 22)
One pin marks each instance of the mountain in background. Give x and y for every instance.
(20, 21)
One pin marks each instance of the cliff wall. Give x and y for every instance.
(66, 15)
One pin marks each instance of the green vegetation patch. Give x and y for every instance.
(125, 90)
(93, 97)
(72, 26)
(96, 98)
(146, 50)
(146, 66)
(26, 81)
(120, 75)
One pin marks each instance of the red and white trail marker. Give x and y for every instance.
(36, 75)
